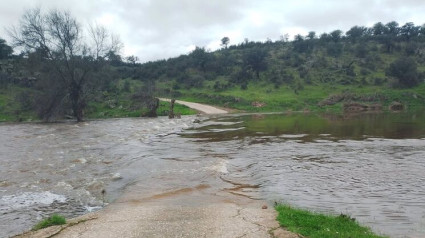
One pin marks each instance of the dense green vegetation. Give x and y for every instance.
(365, 67)
(377, 65)
(50, 221)
(315, 225)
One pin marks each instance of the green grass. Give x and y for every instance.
(123, 109)
(315, 225)
(10, 108)
(50, 221)
(285, 99)
(164, 108)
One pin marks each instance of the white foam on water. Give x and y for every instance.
(64, 185)
(116, 176)
(293, 136)
(220, 167)
(29, 199)
(93, 209)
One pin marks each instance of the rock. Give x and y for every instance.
(359, 107)
(258, 104)
(396, 106)
(196, 121)
(264, 207)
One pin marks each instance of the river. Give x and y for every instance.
(370, 166)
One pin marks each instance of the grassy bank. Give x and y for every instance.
(15, 106)
(315, 225)
(270, 99)
(103, 110)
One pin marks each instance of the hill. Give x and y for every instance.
(370, 66)
(362, 69)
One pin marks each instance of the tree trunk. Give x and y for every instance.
(77, 103)
(171, 112)
(153, 105)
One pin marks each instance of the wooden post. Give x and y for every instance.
(171, 112)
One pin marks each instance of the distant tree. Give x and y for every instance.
(325, 37)
(300, 45)
(70, 63)
(388, 35)
(409, 30)
(298, 37)
(132, 59)
(241, 77)
(355, 33)
(392, 29)
(199, 58)
(378, 29)
(102, 41)
(113, 58)
(404, 70)
(225, 41)
(255, 59)
(284, 37)
(336, 35)
(311, 35)
(5, 50)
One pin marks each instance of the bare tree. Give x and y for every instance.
(58, 37)
(103, 42)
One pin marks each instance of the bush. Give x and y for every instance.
(405, 71)
(50, 221)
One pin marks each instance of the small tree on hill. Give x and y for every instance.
(404, 70)
(255, 59)
(225, 41)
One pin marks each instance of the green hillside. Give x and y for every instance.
(361, 69)
(371, 66)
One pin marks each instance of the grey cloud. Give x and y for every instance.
(156, 29)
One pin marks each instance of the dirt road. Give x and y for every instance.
(207, 109)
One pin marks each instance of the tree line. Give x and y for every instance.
(301, 60)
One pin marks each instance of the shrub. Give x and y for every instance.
(405, 71)
(53, 220)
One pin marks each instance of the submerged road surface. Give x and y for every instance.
(177, 190)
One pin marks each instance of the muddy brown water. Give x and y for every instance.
(371, 167)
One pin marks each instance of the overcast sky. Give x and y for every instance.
(158, 29)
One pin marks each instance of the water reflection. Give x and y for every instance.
(369, 166)
(357, 127)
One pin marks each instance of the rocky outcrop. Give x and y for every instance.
(258, 104)
(396, 106)
(359, 107)
(351, 97)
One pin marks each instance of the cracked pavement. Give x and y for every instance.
(196, 213)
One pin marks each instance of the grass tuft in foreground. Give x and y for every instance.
(315, 225)
(50, 221)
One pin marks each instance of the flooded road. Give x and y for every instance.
(370, 167)
(63, 167)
